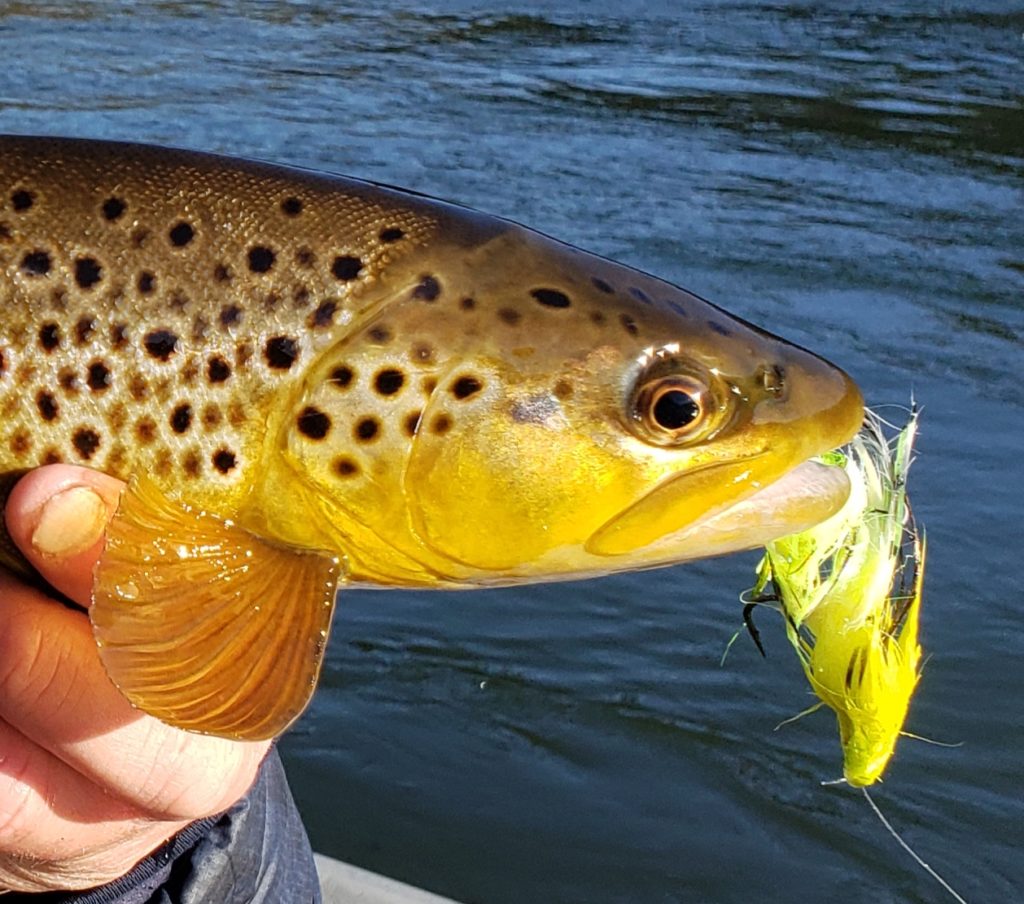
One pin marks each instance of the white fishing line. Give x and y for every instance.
(920, 862)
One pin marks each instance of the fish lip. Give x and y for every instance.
(800, 498)
(797, 500)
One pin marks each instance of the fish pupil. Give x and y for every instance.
(675, 409)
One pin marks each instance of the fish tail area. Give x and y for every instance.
(206, 626)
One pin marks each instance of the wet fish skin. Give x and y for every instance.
(318, 379)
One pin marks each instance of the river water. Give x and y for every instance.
(847, 174)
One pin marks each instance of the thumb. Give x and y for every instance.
(56, 515)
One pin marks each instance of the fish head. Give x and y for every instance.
(524, 410)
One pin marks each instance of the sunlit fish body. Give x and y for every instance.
(310, 380)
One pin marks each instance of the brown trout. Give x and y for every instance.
(310, 381)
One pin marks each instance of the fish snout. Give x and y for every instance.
(807, 397)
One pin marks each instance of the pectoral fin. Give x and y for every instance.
(206, 626)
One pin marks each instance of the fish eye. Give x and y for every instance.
(671, 409)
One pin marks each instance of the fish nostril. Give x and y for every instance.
(773, 381)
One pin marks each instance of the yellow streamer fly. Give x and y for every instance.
(850, 591)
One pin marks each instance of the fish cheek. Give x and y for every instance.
(497, 494)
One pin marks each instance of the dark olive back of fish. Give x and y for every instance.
(154, 300)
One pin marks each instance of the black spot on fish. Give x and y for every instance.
(640, 295)
(412, 422)
(99, 376)
(224, 460)
(3, 364)
(366, 429)
(467, 304)
(22, 200)
(345, 467)
(629, 324)
(161, 344)
(86, 442)
(119, 335)
(312, 422)
(719, 328)
(146, 282)
(341, 377)
(551, 298)
(47, 405)
(261, 259)
(305, 257)
(181, 233)
(464, 387)
(281, 352)
(429, 289)
(88, 272)
(112, 209)
(222, 273)
(509, 315)
(218, 370)
(291, 206)
(52, 457)
(324, 314)
(422, 352)
(140, 236)
(602, 286)
(598, 318)
(678, 307)
(181, 418)
(391, 234)
(230, 315)
(563, 390)
(441, 424)
(84, 329)
(346, 267)
(36, 263)
(379, 334)
(49, 336)
(389, 381)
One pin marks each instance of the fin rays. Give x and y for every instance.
(206, 626)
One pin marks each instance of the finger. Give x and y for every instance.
(56, 825)
(56, 515)
(54, 691)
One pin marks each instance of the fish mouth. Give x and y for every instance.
(804, 496)
(801, 497)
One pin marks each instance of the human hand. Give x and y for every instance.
(89, 786)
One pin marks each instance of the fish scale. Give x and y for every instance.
(223, 336)
(309, 382)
